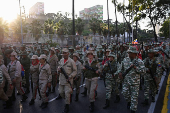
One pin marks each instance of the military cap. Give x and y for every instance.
(34, 57)
(42, 56)
(24, 53)
(65, 50)
(132, 50)
(111, 55)
(8, 51)
(76, 54)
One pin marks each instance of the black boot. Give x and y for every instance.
(145, 102)
(77, 97)
(120, 86)
(95, 94)
(128, 105)
(58, 97)
(107, 104)
(8, 104)
(24, 98)
(153, 99)
(71, 98)
(53, 91)
(31, 102)
(84, 93)
(117, 99)
(49, 90)
(44, 105)
(132, 111)
(91, 106)
(66, 109)
(27, 91)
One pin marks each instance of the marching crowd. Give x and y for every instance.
(123, 67)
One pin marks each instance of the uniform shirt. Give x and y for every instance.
(53, 62)
(14, 69)
(70, 68)
(45, 72)
(133, 77)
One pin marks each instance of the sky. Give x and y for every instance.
(10, 8)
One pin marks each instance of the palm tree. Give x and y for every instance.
(48, 27)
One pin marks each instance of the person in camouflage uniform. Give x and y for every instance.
(110, 68)
(153, 67)
(131, 80)
(71, 51)
(25, 61)
(100, 53)
(166, 60)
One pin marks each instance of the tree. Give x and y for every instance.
(154, 10)
(93, 25)
(165, 29)
(49, 27)
(16, 28)
(35, 29)
(3, 30)
(79, 24)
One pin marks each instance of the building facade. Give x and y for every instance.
(92, 12)
(36, 10)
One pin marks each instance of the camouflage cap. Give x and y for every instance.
(151, 51)
(53, 49)
(76, 54)
(34, 57)
(108, 50)
(24, 53)
(90, 52)
(45, 49)
(65, 50)
(111, 55)
(42, 56)
(70, 48)
(163, 44)
(8, 51)
(23, 45)
(99, 47)
(132, 50)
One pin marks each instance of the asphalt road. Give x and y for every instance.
(82, 106)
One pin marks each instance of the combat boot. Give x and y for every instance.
(120, 86)
(84, 93)
(117, 99)
(128, 105)
(153, 99)
(132, 111)
(91, 106)
(24, 98)
(44, 105)
(66, 109)
(53, 91)
(31, 102)
(71, 98)
(27, 91)
(8, 104)
(107, 104)
(77, 97)
(58, 97)
(145, 102)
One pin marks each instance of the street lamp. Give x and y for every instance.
(21, 22)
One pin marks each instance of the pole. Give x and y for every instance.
(73, 24)
(21, 22)
(124, 19)
(132, 20)
(108, 20)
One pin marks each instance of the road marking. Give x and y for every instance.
(52, 99)
(153, 104)
(165, 104)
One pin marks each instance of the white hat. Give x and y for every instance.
(34, 57)
(42, 56)
(53, 49)
(14, 54)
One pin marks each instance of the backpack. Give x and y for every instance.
(1, 76)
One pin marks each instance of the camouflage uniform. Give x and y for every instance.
(132, 79)
(111, 80)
